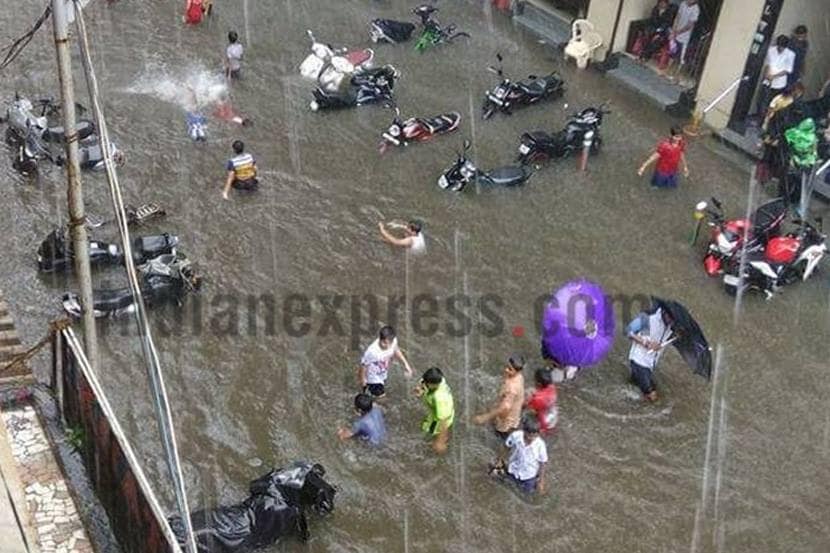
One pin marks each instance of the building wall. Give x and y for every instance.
(727, 56)
(603, 13)
(813, 14)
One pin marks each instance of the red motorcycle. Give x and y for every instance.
(727, 238)
(418, 129)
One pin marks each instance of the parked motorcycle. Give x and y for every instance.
(581, 131)
(508, 93)
(432, 33)
(784, 260)
(22, 118)
(165, 279)
(389, 30)
(55, 252)
(373, 86)
(727, 238)
(463, 171)
(31, 148)
(418, 129)
(330, 66)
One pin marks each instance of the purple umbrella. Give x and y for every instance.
(578, 324)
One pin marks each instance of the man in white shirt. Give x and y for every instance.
(233, 56)
(374, 365)
(528, 458)
(649, 333)
(778, 65)
(688, 12)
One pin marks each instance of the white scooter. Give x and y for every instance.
(329, 67)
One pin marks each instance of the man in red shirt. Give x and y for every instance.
(669, 155)
(543, 400)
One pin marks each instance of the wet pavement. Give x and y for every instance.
(736, 467)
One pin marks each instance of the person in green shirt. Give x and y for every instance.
(437, 397)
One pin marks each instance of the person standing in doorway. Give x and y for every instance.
(778, 66)
(437, 397)
(374, 365)
(688, 12)
(799, 45)
(241, 170)
(507, 411)
(233, 57)
(669, 155)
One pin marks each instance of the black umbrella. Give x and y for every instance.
(687, 337)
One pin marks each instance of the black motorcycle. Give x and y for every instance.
(582, 131)
(55, 252)
(508, 94)
(372, 86)
(463, 171)
(389, 30)
(165, 279)
(33, 147)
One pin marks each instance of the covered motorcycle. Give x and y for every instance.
(373, 86)
(55, 252)
(23, 117)
(275, 508)
(165, 279)
(330, 66)
(389, 30)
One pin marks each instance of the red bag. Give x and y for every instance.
(193, 12)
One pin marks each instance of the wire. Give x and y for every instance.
(14, 49)
(151, 357)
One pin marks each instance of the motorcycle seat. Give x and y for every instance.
(359, 57)
(507, 176)
(540, 137)
(153, 244)
(533, 88)
(111, 300)
(435, 124)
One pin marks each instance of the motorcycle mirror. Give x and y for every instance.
(310, 35)
(466, 145)
(498, 56)
(532, 77)
(397, 112)
(716, 203)
(701, 206)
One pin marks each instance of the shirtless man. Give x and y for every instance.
(413, 238)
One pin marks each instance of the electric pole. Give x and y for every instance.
(74, 193)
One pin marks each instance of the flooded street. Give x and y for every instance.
(740, 466)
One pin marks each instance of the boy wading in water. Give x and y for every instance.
(374, 365)
(528, 459)
(668, 155)
(369, 427)
(437, 397)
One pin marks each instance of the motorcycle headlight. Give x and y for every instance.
(468, 170)
(394, 130)
(501, 92)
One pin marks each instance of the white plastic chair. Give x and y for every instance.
(584, 40)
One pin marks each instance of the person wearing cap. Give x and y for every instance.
(413, 238)
(528, 457)
(437, 397)
(506, 414)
